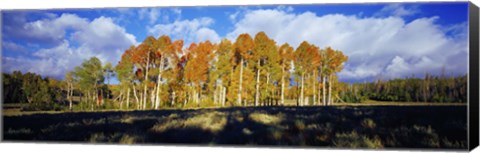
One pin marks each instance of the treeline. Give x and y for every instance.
(428, 89)
(40, 93)
(37, 93)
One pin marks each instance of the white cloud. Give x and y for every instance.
(387, 46)
(152, 14)
(233, 16)
(285, 8)
(101, 38)
(204, 34)
(194, 30)
(13, 47)
(51, 29)
(177, 12)
(45, 66)
(397, 10)
(397, 65)
(239, 11)
(105, 37)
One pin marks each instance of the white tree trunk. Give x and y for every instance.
(128, 97)
(239, 95)
(282, 95)
(323, 91)
(173, 99)
(330, 89)
(266, 89)
(301, 91)
(314, 100)
(152, 98)
(120, 97)
(257, 85)
(136, 97)
(157, 94)
(70, 95)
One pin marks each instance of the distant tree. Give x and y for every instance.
(55, 89)
(12, 88)
(90, 78)
(35, 88)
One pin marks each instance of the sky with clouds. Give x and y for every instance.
(382, 40)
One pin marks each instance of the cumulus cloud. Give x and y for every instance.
(49, 30)
(194, 30)
(105, 37)
(100, 37)
(377, 46)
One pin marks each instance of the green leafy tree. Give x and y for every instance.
(90, 77)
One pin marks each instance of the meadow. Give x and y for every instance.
(431, 127)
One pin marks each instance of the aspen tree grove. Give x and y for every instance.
(247, 72)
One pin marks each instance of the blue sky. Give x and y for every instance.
(382, 40)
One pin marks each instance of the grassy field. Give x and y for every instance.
(442, 127)
(384, 103)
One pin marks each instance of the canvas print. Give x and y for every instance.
(371, 75)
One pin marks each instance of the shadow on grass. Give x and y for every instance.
(344, 127)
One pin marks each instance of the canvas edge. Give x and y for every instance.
(473, 102)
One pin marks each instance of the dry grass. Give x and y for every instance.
(368, 123)
(388, 103)
(121, 138)
(128, 139)
(354, 140)
(267, 118)
(207, 121)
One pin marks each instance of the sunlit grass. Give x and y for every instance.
(369, 123)
(267, 119)
(208, 121)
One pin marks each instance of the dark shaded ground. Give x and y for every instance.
(442, 127)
